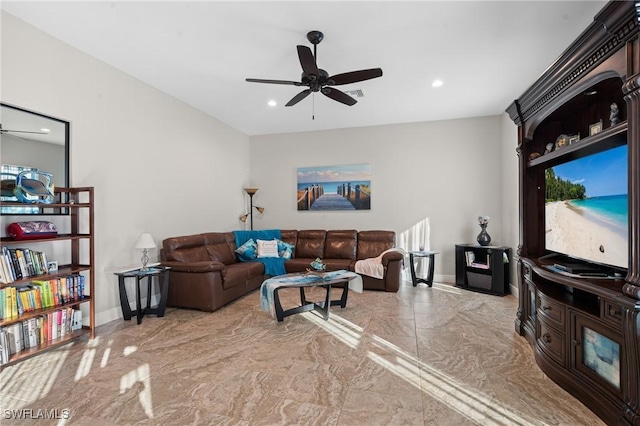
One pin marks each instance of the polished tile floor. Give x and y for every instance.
(424, 356)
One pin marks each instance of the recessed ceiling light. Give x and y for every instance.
(272, 103)
(45, 130)
(437, 83)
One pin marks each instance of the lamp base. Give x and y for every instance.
(145, 260)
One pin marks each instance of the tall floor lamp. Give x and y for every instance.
(243, 218)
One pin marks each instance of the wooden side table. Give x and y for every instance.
(139, 274)
(429, 254)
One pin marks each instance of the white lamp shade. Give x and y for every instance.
(145, 241)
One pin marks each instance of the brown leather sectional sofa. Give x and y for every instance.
(206, 273)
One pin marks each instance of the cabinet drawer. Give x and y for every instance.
(612, 313)
(551, 341)
(551, 310)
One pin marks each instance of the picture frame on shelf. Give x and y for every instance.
(595, 128)
(52, 266)
(574, 139)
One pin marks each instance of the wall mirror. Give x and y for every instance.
(32, 141)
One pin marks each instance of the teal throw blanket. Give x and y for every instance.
(272, 265)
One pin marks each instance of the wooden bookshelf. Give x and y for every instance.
(76, 205)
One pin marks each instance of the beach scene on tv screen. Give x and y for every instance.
(586, 208)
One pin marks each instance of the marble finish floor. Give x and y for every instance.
(423, 356)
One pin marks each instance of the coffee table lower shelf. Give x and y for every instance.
(307, 305)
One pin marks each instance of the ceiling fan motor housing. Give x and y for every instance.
(315, 82)
(315, 37)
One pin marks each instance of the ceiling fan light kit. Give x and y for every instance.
(319, 80)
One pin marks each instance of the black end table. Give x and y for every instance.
(139, 274)
(426, 253)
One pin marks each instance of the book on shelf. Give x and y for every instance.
(470, 258)
(4, 273)
(36, 331)
(480, 265)
(5, 257)
(4, 346)
(41, 294)
(16, 338)
(19, 263)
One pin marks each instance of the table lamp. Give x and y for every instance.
(145, 243)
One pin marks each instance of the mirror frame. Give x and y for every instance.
(42, 208)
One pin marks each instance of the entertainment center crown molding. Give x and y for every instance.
(585, 331)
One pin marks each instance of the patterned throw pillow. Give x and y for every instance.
(248, 251)
(267, 248)
(285, 250)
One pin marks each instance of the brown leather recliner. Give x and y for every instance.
(206, 273)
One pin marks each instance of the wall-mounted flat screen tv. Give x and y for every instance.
(586, 208)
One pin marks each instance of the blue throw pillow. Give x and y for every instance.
(285, 250)
(248, 251)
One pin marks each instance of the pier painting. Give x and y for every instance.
(334, 187)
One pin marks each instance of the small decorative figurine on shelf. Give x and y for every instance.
(548, 148)
(484, 239)
(614, 116)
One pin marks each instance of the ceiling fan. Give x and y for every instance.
(9, 132)
(317, 79)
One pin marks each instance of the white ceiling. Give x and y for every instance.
(487, 53)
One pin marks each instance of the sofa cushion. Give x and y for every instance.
(289, 236)
(236, 275)
(338, 264)
(372, 243)
(341, 244)
(220, 246)
(298, 264)
(310, 244)
(267, 248)
(185, 249)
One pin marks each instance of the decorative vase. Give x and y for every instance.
(483, 238)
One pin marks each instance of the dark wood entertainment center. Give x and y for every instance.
(585, 331)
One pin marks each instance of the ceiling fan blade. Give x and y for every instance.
(339, 96)
(21, 131)
(354, 76)
(260, 80)
(4, 131)
(13, 136)
(307, 61)
(297, 98)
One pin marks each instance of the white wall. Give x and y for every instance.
(162, 167)
(447, 171)
(157, 165)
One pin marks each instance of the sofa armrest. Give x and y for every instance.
(197, 267)
(391, 257)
